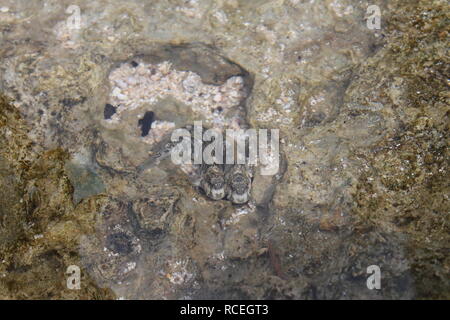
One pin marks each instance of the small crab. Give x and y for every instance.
(239, 182)
(217, 181)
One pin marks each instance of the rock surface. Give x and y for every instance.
(363, 120)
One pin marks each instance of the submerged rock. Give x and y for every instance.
(363, 120)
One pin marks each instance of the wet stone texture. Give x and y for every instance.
(363, 120)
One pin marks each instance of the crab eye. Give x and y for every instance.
(238, 179)
(217, 182)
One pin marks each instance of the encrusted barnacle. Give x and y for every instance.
(119, 242)
(114, 257)
(112, 252)
(120, 251)
(152, 212)
(239, 182)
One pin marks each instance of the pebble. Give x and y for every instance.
(136, 83)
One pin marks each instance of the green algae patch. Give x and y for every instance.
(406, 192)
(404, 188)
(40, 226)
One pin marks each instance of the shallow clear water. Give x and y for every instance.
(363, 119)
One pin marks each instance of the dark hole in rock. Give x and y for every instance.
(146, 123)
(119, 243)
(154, 234)
(109, 111)
(218, 110)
